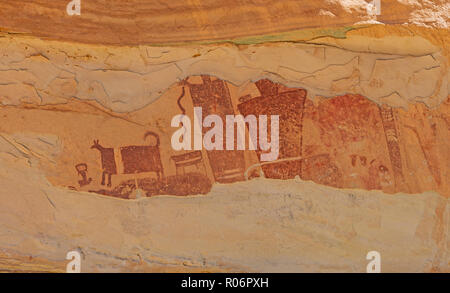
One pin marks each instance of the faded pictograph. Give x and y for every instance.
(329, 142)
(146, 159)
(82, 170)
(130, 159)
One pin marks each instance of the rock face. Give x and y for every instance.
(87, 150)
(137, 22)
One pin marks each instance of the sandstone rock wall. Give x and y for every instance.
(86, 161)
(137, 22)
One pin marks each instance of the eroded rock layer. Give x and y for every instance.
(137, 22)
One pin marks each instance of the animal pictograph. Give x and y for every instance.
(130, 159)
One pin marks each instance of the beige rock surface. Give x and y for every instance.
(260, 226)
(124, 79)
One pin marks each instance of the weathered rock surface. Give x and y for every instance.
(86, 161)
(136, 22)
(126, 79)
(259, 225)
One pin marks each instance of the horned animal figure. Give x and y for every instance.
(130, 159)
